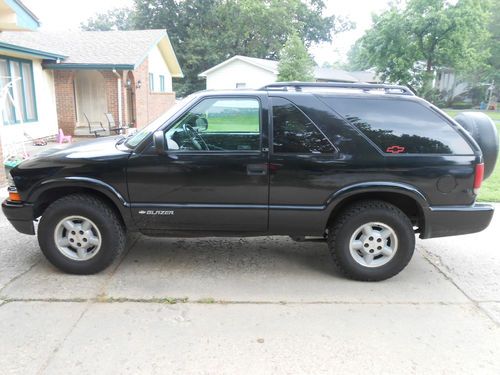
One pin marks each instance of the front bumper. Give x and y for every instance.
(20, 216)
(455, 220)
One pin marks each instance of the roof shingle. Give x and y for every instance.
(90, 47)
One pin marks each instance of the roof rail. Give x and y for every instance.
(298, 86)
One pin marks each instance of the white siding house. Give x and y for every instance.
(27, 95)
(249, 72)
(161, 76)
(241, 72)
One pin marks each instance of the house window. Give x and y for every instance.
(162, 83)
(20, 102)
(151, 82)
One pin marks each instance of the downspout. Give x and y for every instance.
(119, 83)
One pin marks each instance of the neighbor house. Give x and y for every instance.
(250, 72)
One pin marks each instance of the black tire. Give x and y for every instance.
(349, 222)
(483, 130)
(111, 233)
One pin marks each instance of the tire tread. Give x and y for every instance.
(104, 210)
(350, 212)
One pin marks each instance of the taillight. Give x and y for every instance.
(478, 177)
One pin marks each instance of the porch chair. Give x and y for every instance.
(112, 124)
(95, 127)
(61, 138)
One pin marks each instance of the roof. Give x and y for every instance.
(269, 65)
(329, 74)
(16, 16)
(365, 76)
(96, 49)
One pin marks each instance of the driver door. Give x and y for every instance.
(214, 175)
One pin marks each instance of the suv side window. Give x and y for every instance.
(294, 132)
(218, 124)
(401, 126)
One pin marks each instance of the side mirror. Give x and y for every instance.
(201, 124)
(159, 142)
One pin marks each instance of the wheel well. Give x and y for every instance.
(405, 203)
(50, 196)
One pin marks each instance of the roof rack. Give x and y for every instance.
(298, 86)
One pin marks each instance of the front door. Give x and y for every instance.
(214, 176)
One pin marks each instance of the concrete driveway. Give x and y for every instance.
(255, 306)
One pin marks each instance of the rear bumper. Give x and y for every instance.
(455, 220)
(20, 216)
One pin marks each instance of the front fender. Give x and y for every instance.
(88, 183)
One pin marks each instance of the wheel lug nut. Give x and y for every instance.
(366, 245)
(379, 239)
(371, 238)
(78, 244)
(73, 232)
(379, 248)
(84, 240)
(81, 232)
(71, 240)
(371, 250)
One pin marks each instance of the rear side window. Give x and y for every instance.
(294, 132)
(400, 126)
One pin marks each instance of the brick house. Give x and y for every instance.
(125, 73)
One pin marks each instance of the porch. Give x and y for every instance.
(93, 102)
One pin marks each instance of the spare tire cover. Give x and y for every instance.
(483, 130)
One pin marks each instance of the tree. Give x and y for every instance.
(115, 19)
(295, 63)
(493, 73)
(407, 42)
(206, 32)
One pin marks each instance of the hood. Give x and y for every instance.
(98, 159)
(96, 150)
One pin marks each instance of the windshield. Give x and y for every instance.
(138, 137)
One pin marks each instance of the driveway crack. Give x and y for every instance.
(448, 277)
(18, 276)
(89, 303)
(58, 346)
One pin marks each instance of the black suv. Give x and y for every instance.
(363, 167)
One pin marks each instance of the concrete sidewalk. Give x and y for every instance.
(253, 306)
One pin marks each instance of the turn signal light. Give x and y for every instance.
(14, 196)
(478, 177)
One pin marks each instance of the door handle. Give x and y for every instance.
(257, 169)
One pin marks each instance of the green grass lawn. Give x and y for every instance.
(490, 191)
(247, 123)
(495, 115)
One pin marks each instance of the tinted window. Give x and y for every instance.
(221, 124)
(294, 132)
(400, 126)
